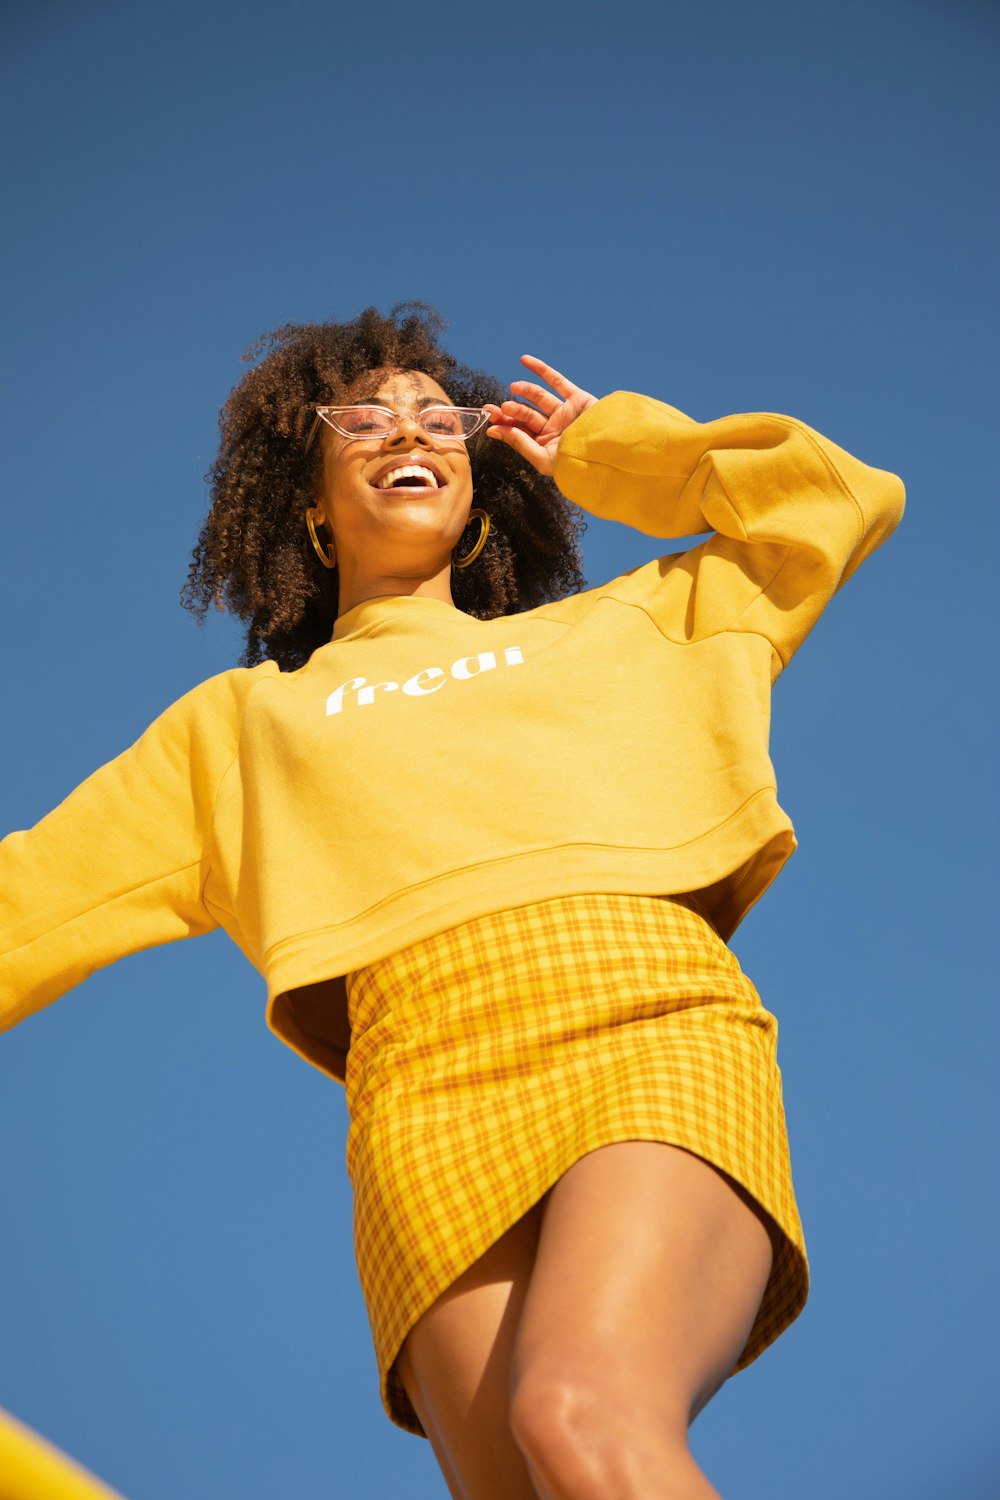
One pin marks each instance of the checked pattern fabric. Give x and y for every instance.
(488, 1059)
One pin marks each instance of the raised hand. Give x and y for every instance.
(534, 430)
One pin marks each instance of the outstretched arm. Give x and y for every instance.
(122, 863)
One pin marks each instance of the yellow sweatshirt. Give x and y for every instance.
(425, 768)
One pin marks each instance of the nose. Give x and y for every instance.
(408, 432)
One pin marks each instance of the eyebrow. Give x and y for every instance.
(421, 404)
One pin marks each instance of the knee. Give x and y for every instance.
(555, 1422)
(583, 1439)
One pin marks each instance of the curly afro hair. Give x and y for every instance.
(253, 554)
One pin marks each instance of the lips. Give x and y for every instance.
(410, 474)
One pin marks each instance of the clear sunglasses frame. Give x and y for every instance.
(473, 418)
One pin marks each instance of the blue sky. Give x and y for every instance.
(731, 206)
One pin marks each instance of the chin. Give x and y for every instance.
(422, 521)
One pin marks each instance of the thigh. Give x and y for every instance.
(650, 1270)
(455, 1365)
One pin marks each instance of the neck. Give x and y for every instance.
(358, 586)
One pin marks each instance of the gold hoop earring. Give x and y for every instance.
(484, 531)
(328, 557)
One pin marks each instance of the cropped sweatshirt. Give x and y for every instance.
(425, 768)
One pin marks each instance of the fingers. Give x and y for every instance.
(569, 393)
(526, 416)
(525, 445)
(534, 430)
(537, 393)
(558, 382)
(516, 413)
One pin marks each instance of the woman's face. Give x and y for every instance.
(384, 521)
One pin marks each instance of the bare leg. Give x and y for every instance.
(614, 1311)
(455, 1365)
(650, 1269)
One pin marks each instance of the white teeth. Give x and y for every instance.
(408, 471)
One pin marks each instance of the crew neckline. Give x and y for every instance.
(371, 611)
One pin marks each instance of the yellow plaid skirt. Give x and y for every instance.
(486, 1060)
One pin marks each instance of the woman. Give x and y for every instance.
(486, 835)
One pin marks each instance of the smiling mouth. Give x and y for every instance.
(408, 477)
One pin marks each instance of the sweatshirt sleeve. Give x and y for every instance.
(793, 514)
(121, 863)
